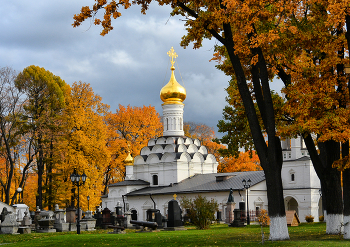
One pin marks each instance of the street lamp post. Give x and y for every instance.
(88, 198)
(75, 177)
(246, 185)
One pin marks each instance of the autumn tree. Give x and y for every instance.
(44, 100)
(83, 146)
(237, 26)
(311, 57)
(16, 147)
(205, 135)
(130, 129)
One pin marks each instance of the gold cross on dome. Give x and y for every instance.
(172, 54)
(175, 196)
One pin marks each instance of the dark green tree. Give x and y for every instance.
(200, 210)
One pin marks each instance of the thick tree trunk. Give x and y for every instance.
(278, 224)
(346, 192)
(330, 180)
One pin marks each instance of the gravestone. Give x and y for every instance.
(238, 219)
(154, 215)
(243, 212)
(98, 216)
(25, 225)
(46, 223)
(37, 217)
(128, 215)
(4, 213)
(106, 218)
(60, 224)
(174, 222)
(71, 219)
(118, 209)
(88, 222)
(10, 224)
(20, 209)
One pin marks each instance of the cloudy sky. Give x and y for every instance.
(128, 66)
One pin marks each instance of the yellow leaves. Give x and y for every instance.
(84, 144)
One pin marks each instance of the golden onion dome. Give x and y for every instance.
(129, 161)
(173, 92)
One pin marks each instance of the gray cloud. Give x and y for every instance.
(127, 66)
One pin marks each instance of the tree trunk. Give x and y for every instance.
(330, 180)
(278, 224)
(270, 156)
(40, 164)
(346, 192)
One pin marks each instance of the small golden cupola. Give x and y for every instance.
(129, 161)
(173, 92)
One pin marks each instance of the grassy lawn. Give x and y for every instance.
(312, 234)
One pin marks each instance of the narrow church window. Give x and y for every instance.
(167, 124)
(292, 177)
(289, 155)
(134, 214)
(155, 179)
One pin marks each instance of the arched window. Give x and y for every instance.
(167, 124)
(155, 179)
(292, 175)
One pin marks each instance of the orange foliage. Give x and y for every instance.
(30, 190)
(205, 135)
(130, 128)
(244, 162)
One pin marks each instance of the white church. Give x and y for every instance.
(175, 166)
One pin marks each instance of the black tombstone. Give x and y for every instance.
(154, 215)
(106, 218)
(243, 212)
(118, 210)
(98, 217)
(238, 221)
(174, 214)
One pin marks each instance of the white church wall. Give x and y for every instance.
(307, 202)
(182, 171)
(142, 203)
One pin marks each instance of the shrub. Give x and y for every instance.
(200, 211)
(309, 218)
(321, 218)
(264, 218)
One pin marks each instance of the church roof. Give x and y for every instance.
(205, 183)
(304, 158)
(130, 182)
